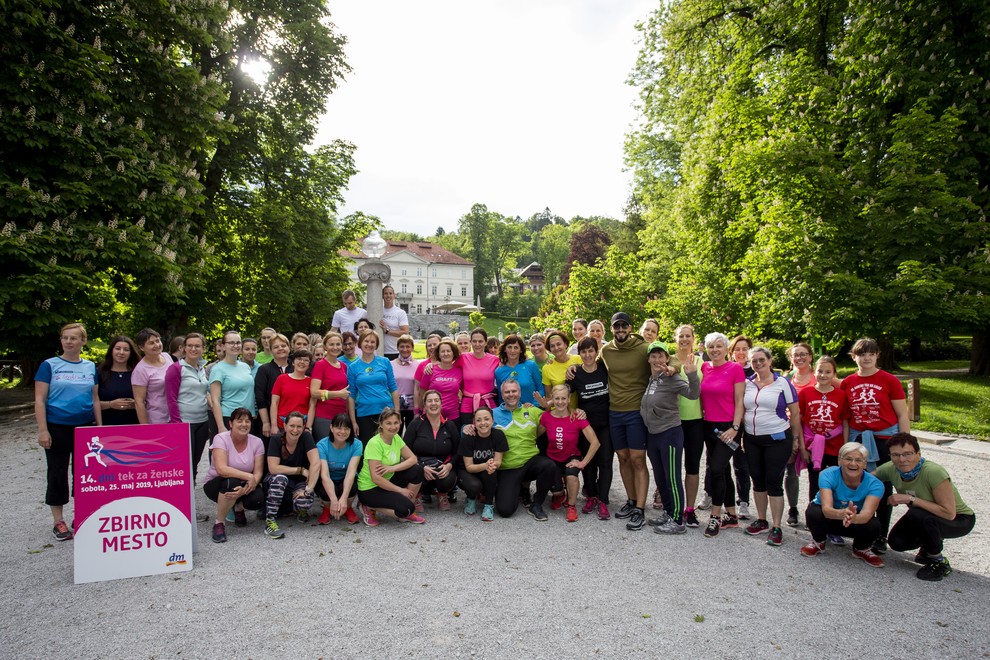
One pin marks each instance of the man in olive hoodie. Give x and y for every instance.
(625, 357)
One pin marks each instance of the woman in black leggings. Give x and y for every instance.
(390, 476)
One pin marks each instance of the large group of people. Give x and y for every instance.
(328, 427)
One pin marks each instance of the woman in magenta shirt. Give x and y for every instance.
(722, 386)
(445, 377)
(478, 368)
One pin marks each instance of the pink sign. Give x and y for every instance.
(133, 501)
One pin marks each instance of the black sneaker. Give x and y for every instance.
(934, 570)
(626, 510)
(219, 533)
(537, 512)
(713, 526)
(880, 546)
(792, 517)
(240, 518)
(922, 557)
(691, 520)
(524, 495)
(636, 520)
(729, 521)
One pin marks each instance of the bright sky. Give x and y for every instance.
(516, 104)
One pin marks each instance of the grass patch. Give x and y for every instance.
(933, 365)
(955, 404)
(9, 384)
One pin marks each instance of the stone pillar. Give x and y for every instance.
(375, 275)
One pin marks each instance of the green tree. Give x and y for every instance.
(551, 246)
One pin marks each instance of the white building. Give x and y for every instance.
(424, 275)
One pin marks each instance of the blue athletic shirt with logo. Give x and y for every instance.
(70, 390)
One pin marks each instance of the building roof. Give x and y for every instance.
(532, 270)
(429, 252)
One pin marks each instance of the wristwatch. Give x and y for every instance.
(735, 427)
(911, 501)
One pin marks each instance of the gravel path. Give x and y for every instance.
(456, 587)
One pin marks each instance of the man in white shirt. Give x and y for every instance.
(345, 317)
(394, 323)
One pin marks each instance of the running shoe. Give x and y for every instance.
(792, 517)
(414, 518)
(880, 546)
(557, 500)
(470, 506)
(419, 503)
(219, 533)
(537, 512)
(776, 536)
(757, 527)
(626, 510)
(743, 510)
(240, 518)
(705, 503)
(659, 520)
(729, 521)
(302, 516)
(368, 516)
(671, 526)
(202, 517)
(603, 512)
(572, 515)
(712, 530)
(488, 513)
(230, 516)
(869, 557)
(589, 504)
(636, 520)
(61, 531)
(525, 496)
(922, 557)
(835, 539)
(690, 519)
(351, 515)
(657, 502)
(813, 549)
(272, 530)
(443, 502)
(324, 516)
(934, 570)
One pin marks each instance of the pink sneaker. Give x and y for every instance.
(603, 513)
(589, 505)
(419, 503)
(414, 518)
(369, 516)
(443, 502)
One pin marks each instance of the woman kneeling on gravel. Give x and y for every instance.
(293, 470)
(847, 500)
(391, 475)
(235, 472)
(934, 509)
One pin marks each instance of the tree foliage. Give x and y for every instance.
(816, 169)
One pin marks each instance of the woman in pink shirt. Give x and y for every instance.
(445, 377)
(148, 379)
(478, 368)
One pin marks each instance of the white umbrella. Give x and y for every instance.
(449, 306)
(469, 308)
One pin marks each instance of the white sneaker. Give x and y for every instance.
(743, 511)
(705, 503)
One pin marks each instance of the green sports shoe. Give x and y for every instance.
(470, 506)
(272, 530)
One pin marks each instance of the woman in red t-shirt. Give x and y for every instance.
(824, 415)
(291, 391)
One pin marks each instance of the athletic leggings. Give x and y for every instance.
(198, 436)
(59, 458)
(253, 500)
(767, 462)
(379, 498)
(539, 468)
(598, 474)
(863, 535)
(694, 445)
(813, 474)
(478, 483)
(718, 475)
(666, 452)
(920, 528)
(367, 427)
(338, 487)
(281, 489)
(441, 486)
(740, 467)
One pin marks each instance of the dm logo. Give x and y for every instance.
(176, 560)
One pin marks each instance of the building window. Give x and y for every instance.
(419, 289)
(403, 288)
(403, 271)
(463, 291)
(419, 309)
(450, 273)
(434, 287)
(434, 272)
(463, 274)
(419, 272)
(449, 290)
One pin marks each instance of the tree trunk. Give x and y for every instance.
(979, 359)
(914, 349)
(886, 359)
